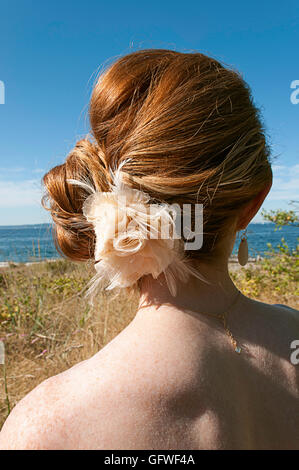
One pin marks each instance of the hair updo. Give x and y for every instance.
(192, 134)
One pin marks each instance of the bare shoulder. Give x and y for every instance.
(64, 411)
(30, 424)
(277, 312)
(126, 386)
(273, 330)
(292, 313)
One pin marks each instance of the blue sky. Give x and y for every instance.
(50, 52)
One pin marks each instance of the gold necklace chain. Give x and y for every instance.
(223, 318)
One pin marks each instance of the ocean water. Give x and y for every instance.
(25, 243)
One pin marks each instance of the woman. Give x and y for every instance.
(201, 366)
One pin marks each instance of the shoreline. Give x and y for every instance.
(233, 260)
(7, 264)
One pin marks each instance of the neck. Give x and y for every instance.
(213, 296)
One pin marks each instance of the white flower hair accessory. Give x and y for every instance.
(129, 242)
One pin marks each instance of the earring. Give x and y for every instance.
(243, 250)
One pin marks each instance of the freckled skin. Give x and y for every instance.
(171, 380)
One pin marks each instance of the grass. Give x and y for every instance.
(47, 325)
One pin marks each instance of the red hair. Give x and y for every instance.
(191, 131)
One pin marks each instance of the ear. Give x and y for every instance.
(249, 212)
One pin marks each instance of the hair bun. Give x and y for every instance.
(73, 235)
(129, 244)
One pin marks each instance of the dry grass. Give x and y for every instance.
(47, 326)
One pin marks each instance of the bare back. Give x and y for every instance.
(171, 380)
